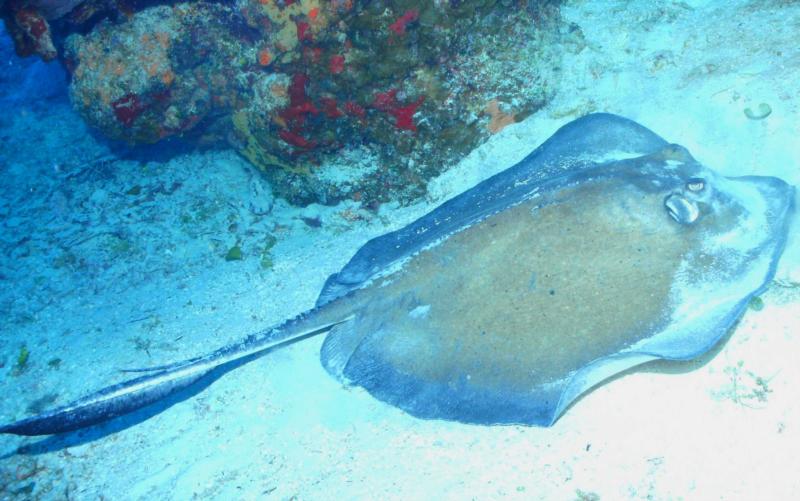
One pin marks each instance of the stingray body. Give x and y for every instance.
(605, 248)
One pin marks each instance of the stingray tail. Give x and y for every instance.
(107, 403)
(162, 381)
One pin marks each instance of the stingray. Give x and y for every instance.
(606, 247)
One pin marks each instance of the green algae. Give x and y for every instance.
(66, 260)
(118, 246)
(23, 359)
(746, 388)
(266, 252)
(234, 254)
(142, 344)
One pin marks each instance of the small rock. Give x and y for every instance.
(762, 111)
(261, 199)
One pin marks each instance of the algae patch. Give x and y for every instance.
(23, 358)
(266, 253)
(234, 254)
(745, 388)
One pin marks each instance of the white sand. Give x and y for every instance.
(724, 427)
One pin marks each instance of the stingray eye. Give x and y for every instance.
(696, 184)
(681, 209)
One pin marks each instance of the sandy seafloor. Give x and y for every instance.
(101, 278)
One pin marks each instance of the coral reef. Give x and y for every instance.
(31, 33)
(28, 22)
(158, 74)
(290, 84)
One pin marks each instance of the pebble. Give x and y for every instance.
(762, 111)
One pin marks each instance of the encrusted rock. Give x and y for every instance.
(294, 84)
